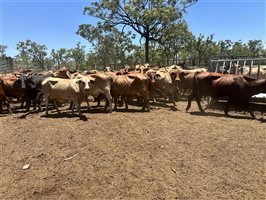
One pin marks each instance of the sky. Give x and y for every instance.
(54, 22)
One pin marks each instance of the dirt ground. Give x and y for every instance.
(163, 154)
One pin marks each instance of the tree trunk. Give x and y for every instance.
(147, 49)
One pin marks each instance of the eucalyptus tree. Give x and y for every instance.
(255, 47)
(110, 45)
(239, 49)
(225, 48)
(199, 47)
(32, 51)
(78, 55)
(148, 18)
(59, 57)
(175, 39)
(2, 51)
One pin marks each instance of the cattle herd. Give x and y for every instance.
(143, 83)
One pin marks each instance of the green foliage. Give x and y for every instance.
(31, 53)
(59, 57)
(78, 55)
(3, 51)
(147, 18)
(111, 46)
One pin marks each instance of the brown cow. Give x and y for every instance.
(185, 78)
(238, 88)
(14, 91)
(131, 85)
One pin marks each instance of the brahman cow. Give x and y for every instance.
(166, 83)
(58, 89)
(100, 84)
(131, 85)
(237, 88)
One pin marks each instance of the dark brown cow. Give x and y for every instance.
(131, 85)
(238, 88)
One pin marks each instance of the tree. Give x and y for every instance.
(59, 57)
(175, 39)
(199, 46)
(78, 55)
(31, 51)
(146, 17)
(3, 51)
(255, 47)
(110, 45)
(239, 49)
(225, 48)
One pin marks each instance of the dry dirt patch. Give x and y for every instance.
(163, 154)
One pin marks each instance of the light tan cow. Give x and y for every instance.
(166, 83)
(63, 90)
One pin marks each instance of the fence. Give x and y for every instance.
(6, 65)
(236, 66)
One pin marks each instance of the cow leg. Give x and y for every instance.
(56, 106)
(88, 104)
(78, 107)
(109, 99)
(146, 103)
(47, 104)
(190, 98)
(226, 109)
(115, 100)
(199, 104)
(72, 108)
(125, 99)
(6, 103)
(173, 99)
(22, 102)
(8, 107)
(39, 100)
(28, 102)
(251, 111)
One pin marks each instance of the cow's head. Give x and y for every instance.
(21, 82)
(63, 73)
(83, 83)
(152, 75)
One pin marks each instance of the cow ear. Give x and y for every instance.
(79, 81)
(182, 73)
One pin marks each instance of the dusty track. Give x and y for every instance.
(163, 154)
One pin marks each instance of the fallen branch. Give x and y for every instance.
(71, 157)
